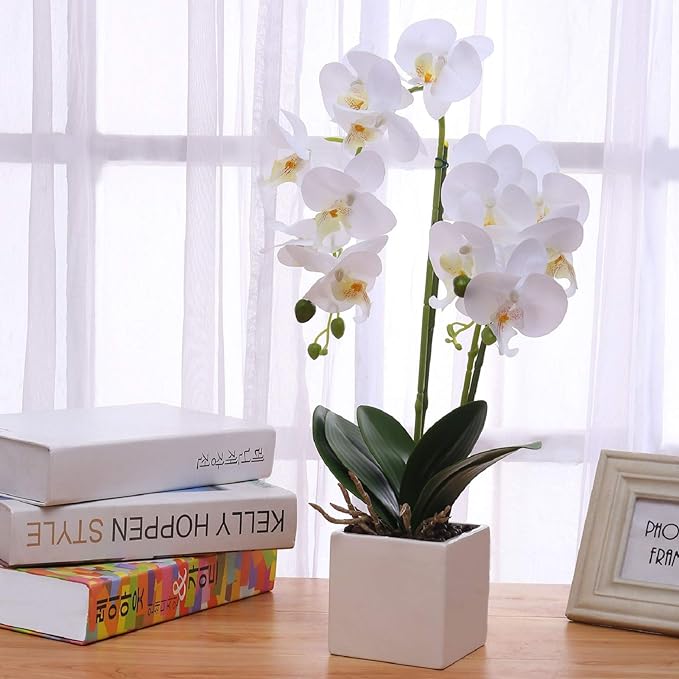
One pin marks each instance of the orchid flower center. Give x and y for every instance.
(489, 218)
(346, 287)
(541, 207)
(361, 134)
(356, 97)
(333, 219)
(428, 68)
(458, 263)
(558, 266)
(286, 169)
(508, 313)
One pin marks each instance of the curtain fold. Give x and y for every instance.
(625, 405)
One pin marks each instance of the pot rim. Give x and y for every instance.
(477, 528)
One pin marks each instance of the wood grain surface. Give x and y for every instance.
(283, 634)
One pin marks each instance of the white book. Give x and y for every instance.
(236, 517)
(61, 456)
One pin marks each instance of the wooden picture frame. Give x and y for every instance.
(627, 572)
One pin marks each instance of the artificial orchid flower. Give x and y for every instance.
(363, 102)
(520, 300)
(292, 167)
(552, 193)
(344, 204)
(347, 279)
(486, 193)
(459, 249)
(448, 69)
(560, 236)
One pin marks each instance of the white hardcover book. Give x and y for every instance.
(236, 517)
(61, 456)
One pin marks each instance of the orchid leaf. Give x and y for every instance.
(337, 467)
(445, 443)
(387, 440)
(445, 487)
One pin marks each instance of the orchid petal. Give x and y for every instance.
(306, 257)
(514, 135)
(471, 148)
(404, 141)
(334, 79)
(515, 204)
(528, 182)
(436, 107)
(463, 206)
(529, 257)
(484, 46)
(370, 217)
(322, 186)
(299, 140)
(506, 161)
(384, 87)
(486, 293)
(363, 62)
(430, 35)
(477, 177)
(560, 190)
(460, 76)
(544, 305)
(375, 245)
(540, 160)
(367, 169)
(559, 233)
(364, 264)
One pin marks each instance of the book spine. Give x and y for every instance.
(155, 465)
(195, 522)
(151, 593)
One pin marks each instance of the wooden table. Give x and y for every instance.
(283, 634)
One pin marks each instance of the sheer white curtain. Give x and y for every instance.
(136, 259)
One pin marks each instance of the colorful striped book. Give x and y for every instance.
(84, 604)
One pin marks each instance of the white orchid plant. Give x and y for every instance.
(504, 225)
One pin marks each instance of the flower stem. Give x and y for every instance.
(430, 288)
(478, 364)
(471, 357)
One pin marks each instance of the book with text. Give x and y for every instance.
(64, 456)
(84, 604)
(238, 516)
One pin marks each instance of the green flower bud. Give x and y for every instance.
(337, 327)
(314, 350)
(487, 336)
(304, 310)
(324, 351)
(460, 284)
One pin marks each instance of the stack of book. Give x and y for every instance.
(114, 519)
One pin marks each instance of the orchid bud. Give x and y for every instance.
(337, 327)
(460, 284)
(488, 336)
(304, 310)
(314, 350)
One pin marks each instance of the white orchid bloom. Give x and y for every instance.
(520, 300)
(292, 167)
(363, 102)
(553, 193)
(560, 236)
(487, 194)
(347, 279)
(448, 69)
(344, 204)
(455, 250)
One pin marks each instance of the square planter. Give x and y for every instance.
(407, 601)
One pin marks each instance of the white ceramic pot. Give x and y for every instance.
(407, 601)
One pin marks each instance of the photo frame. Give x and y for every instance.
(627, 571)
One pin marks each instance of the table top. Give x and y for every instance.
(284, 634)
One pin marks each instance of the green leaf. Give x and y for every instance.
(446, 442)
(387, 440)
(447, 485)
(345, 440)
